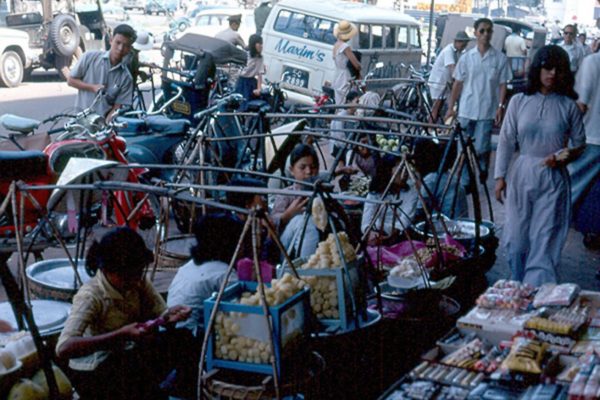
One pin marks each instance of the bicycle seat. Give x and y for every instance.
(23, 164)
(257, 105)
(15, 123)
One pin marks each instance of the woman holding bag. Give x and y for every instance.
(539, 123)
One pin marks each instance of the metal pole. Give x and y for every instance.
(431, 7)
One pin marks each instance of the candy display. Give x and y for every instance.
(466, 356)
(506, 294)
(555, 295)
(525, 356)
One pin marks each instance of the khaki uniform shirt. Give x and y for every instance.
(231, 36)
(99, 308)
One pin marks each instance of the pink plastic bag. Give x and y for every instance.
(392, 255)
(245, 270)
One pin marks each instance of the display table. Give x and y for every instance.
(518, 342)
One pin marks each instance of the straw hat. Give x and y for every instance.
(345, 30)
(144, 41)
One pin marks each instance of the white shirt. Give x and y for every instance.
(195, 283)
(440, 72)
(586, 85)
(514, 46)
(576, 54)
(406, 211)
(481, 77)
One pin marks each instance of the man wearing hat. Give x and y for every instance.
(231, 34)
(261, 13)
(108, 71)
(441, 73)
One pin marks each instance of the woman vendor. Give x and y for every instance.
(111, 336)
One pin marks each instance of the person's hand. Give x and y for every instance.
(347, 170)
(373, 239)
(500, 190)
(499, 116)
(295, 208)
(133, 331)
(450, 114)
(177, 313)
(97, 87)
(256, 92)
(551, 161)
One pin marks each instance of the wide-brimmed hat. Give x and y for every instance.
(235, 18)
(462, 36)
(345, 30)
(144, 41)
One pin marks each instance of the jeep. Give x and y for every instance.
(59, 31)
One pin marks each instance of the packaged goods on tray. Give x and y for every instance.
(506, 294)
(446, 374)
(525, 356)
(586, 384)
(555, 295)
(466, 356)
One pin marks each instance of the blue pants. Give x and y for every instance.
(481, 132)
(584, 171)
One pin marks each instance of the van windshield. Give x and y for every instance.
(305, 26)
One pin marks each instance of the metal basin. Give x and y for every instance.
(55, 279)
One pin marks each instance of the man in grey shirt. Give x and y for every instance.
(231, 34)
(105, 70)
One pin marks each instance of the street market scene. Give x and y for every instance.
(299, 199)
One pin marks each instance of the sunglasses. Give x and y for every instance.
(483, 30)
(568, 33)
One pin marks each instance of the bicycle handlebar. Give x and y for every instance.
(235, 97)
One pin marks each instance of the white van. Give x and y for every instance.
(298, 42)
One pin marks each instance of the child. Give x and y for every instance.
(249, 83)
(217, 236)
(112, 354)
(287, 213)
(400, 189)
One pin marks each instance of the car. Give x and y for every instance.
(114, 13)
(58, 33)
(212, 21)
(133, 5)
(160, 7)
(15, 56)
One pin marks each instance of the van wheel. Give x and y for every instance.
(64, 64)
(11, 69)
(64, 35)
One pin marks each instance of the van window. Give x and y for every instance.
(413, 37)
(376, 36)
(403, 37)
(363, 36)
(305, 26)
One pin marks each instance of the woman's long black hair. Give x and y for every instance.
(252, 41)
(548, 57)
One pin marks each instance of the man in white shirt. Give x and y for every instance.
(573, 49)
(480, 76)
(231, 34)
(586, 168)
(442, 70)
(587, 50)
(514, 45)
(555, 32)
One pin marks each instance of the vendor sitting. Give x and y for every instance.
(111, 336)
(396, 218)
(217, 236)
(288, 211)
